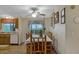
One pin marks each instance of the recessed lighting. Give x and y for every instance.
(6, 17)
(9, 17)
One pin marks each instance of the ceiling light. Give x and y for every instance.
(34, 15)
(9, 17)
(6, 16)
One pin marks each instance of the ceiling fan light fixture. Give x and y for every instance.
(34, 15)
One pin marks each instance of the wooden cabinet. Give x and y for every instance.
(0, 24)
(4, 39)
(16, 22)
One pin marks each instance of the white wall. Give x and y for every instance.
(59, 31)
(72, 30)
(23, 29)
(66, 35)
(48, 24)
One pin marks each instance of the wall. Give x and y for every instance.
(58, 32)
(72, 30)
(48, 24)
(23, 27)
(66, 35)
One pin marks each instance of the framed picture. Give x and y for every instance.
(56, 17)
(63, 16)
(53, 20)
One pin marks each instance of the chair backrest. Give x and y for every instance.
(30, 35)
(27, 36)
(50, 35)
(38, 45)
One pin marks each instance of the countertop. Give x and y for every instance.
(8, 33)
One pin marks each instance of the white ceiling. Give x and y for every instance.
(24, 10)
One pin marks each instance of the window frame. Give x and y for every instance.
(11, 30)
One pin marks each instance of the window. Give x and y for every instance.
(8, 27)
(36, 28)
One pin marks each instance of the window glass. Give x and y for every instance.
(39, 26)
(8, 27)
(36, 28)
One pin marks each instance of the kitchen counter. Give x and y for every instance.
(4, 39)
(8, 33)
(8, 38)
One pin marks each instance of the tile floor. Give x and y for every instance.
(14, 49)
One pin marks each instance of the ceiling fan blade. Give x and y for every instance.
(42, 14)
(34, 9)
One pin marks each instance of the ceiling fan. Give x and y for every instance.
(35, 12)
